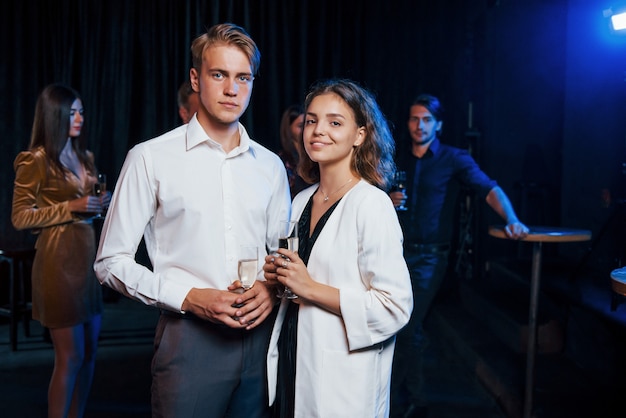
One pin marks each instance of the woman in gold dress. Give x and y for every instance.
(52, 197)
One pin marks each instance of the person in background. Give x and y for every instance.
(433, 172)
(291, 124)
(331, 350)
(188, 102)
(196, 194)
(52, 196)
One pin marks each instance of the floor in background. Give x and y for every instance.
(121, 386)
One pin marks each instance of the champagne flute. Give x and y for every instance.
(399, 185)
(248, 265)
(99, 188)
(288, 239)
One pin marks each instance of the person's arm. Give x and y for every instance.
(501, 204)
(29, 178)
(292, 272)
(131, 209)
(372, 293)
(384, 306)
(171, 286)
(398, 198)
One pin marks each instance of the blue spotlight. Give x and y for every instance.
(617, 16)
(619, 21)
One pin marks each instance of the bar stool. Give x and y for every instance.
(19, 305)
(618, 285)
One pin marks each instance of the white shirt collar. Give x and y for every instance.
(196, 135)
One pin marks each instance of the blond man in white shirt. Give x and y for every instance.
(196, 194)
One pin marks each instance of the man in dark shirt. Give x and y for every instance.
(434, 173)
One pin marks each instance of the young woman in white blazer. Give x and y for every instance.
(331, 348)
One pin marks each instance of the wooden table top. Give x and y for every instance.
(545, 234)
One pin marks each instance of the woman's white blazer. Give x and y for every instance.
(343, 363)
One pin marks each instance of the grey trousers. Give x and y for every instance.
(201, 369)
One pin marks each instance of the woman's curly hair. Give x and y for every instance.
(373, 159)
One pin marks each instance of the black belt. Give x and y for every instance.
(426, 248)
(187, 315)
(190, 316)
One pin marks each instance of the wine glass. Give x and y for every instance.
(100, 188)
(248, 265)
(399, 185)
(288, 239)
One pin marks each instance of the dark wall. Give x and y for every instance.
(555, 133)
(524, 95)
(127, 58)
(545, 79)
(594, 131)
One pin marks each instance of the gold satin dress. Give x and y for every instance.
(65, 289)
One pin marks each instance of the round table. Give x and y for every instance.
(538, 235)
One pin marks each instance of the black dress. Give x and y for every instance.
(287, 342)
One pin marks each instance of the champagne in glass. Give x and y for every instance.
(248, 266)
(100, 188)
(400, 186)
(288, 239)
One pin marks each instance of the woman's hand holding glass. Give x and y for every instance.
(283, 268)
(90, 204)
(105, 200)
(94, 203)
(100, 191)
(288, 238)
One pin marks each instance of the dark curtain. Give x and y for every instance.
(127, 59)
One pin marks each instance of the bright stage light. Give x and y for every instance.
(619, 21)
(617, 15)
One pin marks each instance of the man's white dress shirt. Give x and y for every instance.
(194, 205)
